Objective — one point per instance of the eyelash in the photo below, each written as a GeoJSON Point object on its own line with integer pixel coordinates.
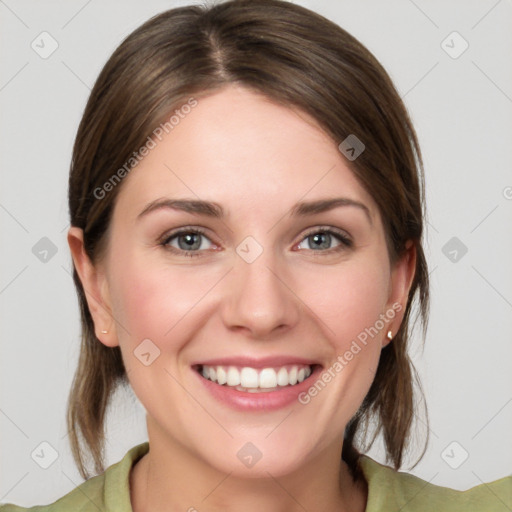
{"type": "Point", "coordinates": [345, 241]}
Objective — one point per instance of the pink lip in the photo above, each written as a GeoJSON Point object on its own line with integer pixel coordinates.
{"type": "Point", "coordinates": [267, 401]}
{"type": "Point", "coordinates": [254, 362]}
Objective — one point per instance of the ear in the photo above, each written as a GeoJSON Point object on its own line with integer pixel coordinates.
{"type": "Point", "coordinates": [96, 290]}
{"type": "Point", "coordinates": [402, 276]}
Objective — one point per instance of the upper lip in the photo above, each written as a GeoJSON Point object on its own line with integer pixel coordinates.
{"type": "Point", "coordinates": [257, 362]}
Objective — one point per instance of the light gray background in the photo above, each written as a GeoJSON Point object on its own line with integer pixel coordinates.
{"type": "Point", "coordinates": [461, 108]}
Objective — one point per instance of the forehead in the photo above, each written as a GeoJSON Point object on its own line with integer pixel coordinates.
{"type": "Point", "coordinates": [240, 149]}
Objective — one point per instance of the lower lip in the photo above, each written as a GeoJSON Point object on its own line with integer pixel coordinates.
{"type": "Point", "coordinates": [264, 401]}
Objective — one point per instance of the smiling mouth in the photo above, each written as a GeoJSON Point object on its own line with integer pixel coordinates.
{"type": "Point", "coordinates": [256, 380]}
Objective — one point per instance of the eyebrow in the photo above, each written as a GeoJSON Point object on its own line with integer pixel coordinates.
{"type": "Point", "coordinates": [215, 210]}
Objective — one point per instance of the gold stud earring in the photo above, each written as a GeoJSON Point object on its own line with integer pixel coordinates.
{"type": "Point", "coordinates": [389, 335]}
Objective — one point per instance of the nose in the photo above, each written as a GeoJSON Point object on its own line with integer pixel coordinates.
{"type": "Point", "coordinates": [259, 298]}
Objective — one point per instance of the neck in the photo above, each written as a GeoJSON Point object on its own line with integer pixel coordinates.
{"type": "Point", "coordinates": [169, 478]}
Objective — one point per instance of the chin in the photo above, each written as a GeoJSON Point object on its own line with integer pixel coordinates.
{"type": "Point", "coordinates": [260, 457]}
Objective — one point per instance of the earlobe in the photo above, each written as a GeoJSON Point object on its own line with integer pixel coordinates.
{"type": "Point", "coordinates": [95, 287]}
{"type": "Point", "coordinates": [387, 340]}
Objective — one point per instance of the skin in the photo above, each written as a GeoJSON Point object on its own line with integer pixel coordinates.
{"type": "Point", "coordinates": [257, 159]}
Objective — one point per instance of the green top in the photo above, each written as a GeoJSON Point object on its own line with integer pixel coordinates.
{"type": "Point", "coordinates": [388, 491]}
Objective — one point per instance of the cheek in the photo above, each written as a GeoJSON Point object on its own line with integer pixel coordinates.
{"type": "Point", "coordinates": [156, 300]}
{"type": "Point", "coordinates": [350, 301]}
{"type": "Point", "coordinates": [348, 298]}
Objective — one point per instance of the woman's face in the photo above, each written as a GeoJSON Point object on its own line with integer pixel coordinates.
{"type": "Point", "coordinates": [270, 290]}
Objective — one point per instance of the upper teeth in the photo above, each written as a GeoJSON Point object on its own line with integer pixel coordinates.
{"type": "Point", "coordinates": [257, 378]}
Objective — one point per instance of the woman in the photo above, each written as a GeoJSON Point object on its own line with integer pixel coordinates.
{"type": "Point", "coordinates": [246, 210]}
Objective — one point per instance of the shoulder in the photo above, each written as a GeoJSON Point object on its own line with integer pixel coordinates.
{"type": "Point", "coordinates": [107, 492]}
{"type": "Point", "coordinates": [393, 490]}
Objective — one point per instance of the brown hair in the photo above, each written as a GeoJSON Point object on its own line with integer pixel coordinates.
{"type": "Point", "coordinates": [299, 59]}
